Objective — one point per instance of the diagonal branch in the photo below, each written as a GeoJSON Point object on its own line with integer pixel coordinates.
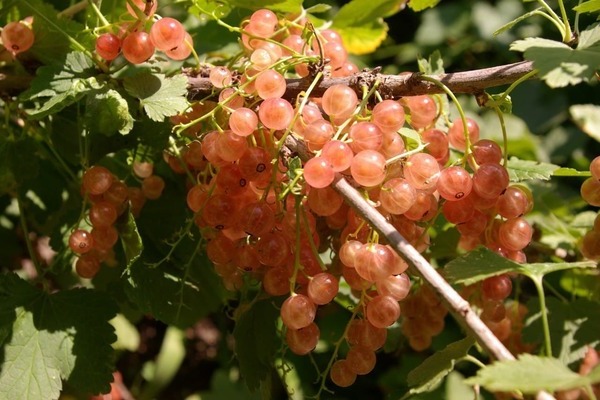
{"type": "Point", "coordinates": [458, 306]}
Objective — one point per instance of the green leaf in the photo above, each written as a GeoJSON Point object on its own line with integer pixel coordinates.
{"type": "Point", "coordinates": [283, 6]}
{"type": "Point", "coordinates": [477, 265]}
{"type": "Point", "coordinates": [360, 23]}
{"type": "Point", "coordinates": [318, 8]}
{"type": "Point", "coordinates": [224, 386]}
{"type": "Point", "coordinates": [588, 6]}
{"type": "Point", "coordinates": [529, 374]}
{"type": "Point", "coordinates": [174, 295]}
{"type": "Point", "coordinates": [434, 65]}
{"type": "Point", "coordinates": [256, 342]}
{"type": "Point", "coordinates": [570, 172]}
{"type": "Point", "coordinates": [483, 263]}
{"type": "Point", "coordinates": [214, 9]}
{"type": "Point", "coordinates": [574, 326]}
{"type": "Point", "coordinates": [559, 64]}
{"type": "Point", "coordinates": [363, 39]}
{"type": "Point", "coordinates": [515, 21]}
{"type": "Point", "coordinates": [584, 283]}
{"type": "Point", "coordinates": [53, 35]}
{"type": "Point", "coordinates": [47, 338]}
{"type": "Point", "coordinates": [130, 239]}
{"type": "Point", "coordinates": [159, 95]}
{"type": "Point", "coordinates": [587, 118]}
{"type": "Point", "coordinates": [64, 84]}
{"type": "Point", "coordinates": [107, 112]}
{"type": "Point", "coordinates": [420, 5]}
{"type": "Point", "coordinates": [522, 170]}
{"type": "Point", "coordinates": [128, 337]}
{"type": "Point", "coordinates": [429, 374]}
{"type": "Point", "coordinates": [504, 103]}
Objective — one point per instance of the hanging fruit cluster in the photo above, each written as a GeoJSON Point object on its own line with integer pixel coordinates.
{"type": "Point", "coordinates": [269, 215]}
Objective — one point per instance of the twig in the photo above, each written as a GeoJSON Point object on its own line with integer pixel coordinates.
{"type": "Point", "coordinates": [458, 306]}
{"type": "Point", "coordinates": [396, 86]}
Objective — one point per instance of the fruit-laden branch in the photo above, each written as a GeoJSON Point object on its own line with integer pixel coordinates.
{"type": "Point", "coordinates": [458, 306]}
{"type": "Point", "coordinates": [395, 86]}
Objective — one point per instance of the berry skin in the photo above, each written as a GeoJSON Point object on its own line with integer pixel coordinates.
{"type": "Point", "coordinates": [108, 46]}
{"type": "Point", "coordinates": [137, 47]}
{"type": "Point", "coordinates": [17, 37]}
{"type": "Point", "coordinates": [167, 34]}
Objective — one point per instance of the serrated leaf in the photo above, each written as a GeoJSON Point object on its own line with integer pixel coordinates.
{"type": "Point", "coordinates": [107, 112]}
{"type": "Point", "coordinates": [588, 6]}
{"type": "Point", "coordinates": [587, 118]}
{"type": "Point", "coordinates": [435, 368]}
{"type": "Point", "coordinates": [570, 172]}
{"type": "Point", "coordinates": [529, 374]}
{"type": "Point", "coordinates": [130, 239]}
{"type": "Point", "coordinates": [160, 96]}
{"type": "Point", "coordinates": [256, 342]}
{"type": "Point", "coordinates": [522, 170]}
{"type": "Point", "coordinates": [483, 263]}
{"type": "Point", "coordinates": [360, 23]}
{"type": "Point", "coordinates": [53, 337]}
{"type": "Point", "coordinates": [65, 84]}
{"type": "Point", "coordinates": [420, 5]}
{"type": "Point", "coordinates": [559, 64]}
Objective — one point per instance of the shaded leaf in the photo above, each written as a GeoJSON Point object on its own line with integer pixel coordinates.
{"type": "Point", "coordinates": [159, 95]}
{"type": "Point", "coordinates": [529, 375]}
{"type": "Point", "coordinates": [574, 327]}
{"type": "Point", "coordinates": [256, 342]}
{"type": "Point", "coordinates": [174, 295]}
{"type": "Point", "coordinates": [435, 368]}
{"type": "Point", "coordinates": [107, 112]}
{"type": "Point", "coordinates": [50, 337]}
{"type": "Point", "coordinates": [130, 239]}
{"type": "Point", "coordinates": [587, 118]}
{"type": "Point", "coordinates": [522, 170]}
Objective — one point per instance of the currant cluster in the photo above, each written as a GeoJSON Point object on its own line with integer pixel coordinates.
{"type": "Point", "coordinates": [109, 198]}
{"type": "Point", "coordinates": [267, 216]}
{"type": "Point", "coordinates": [18, 36]}
{"type": "Point", "coordinates": [422, 317]}
{"type": "Point", "coordinates": [137, 40]}
{"type": "Point", "coordinates": [590, 192]}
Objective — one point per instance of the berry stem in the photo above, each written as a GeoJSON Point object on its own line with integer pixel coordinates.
{"type": "Point", "coordinates": [503, 127]}
{"type": "Point", "coordinates": [461, 112]}
{"type": "Point", "coordinates": [537, 281]}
